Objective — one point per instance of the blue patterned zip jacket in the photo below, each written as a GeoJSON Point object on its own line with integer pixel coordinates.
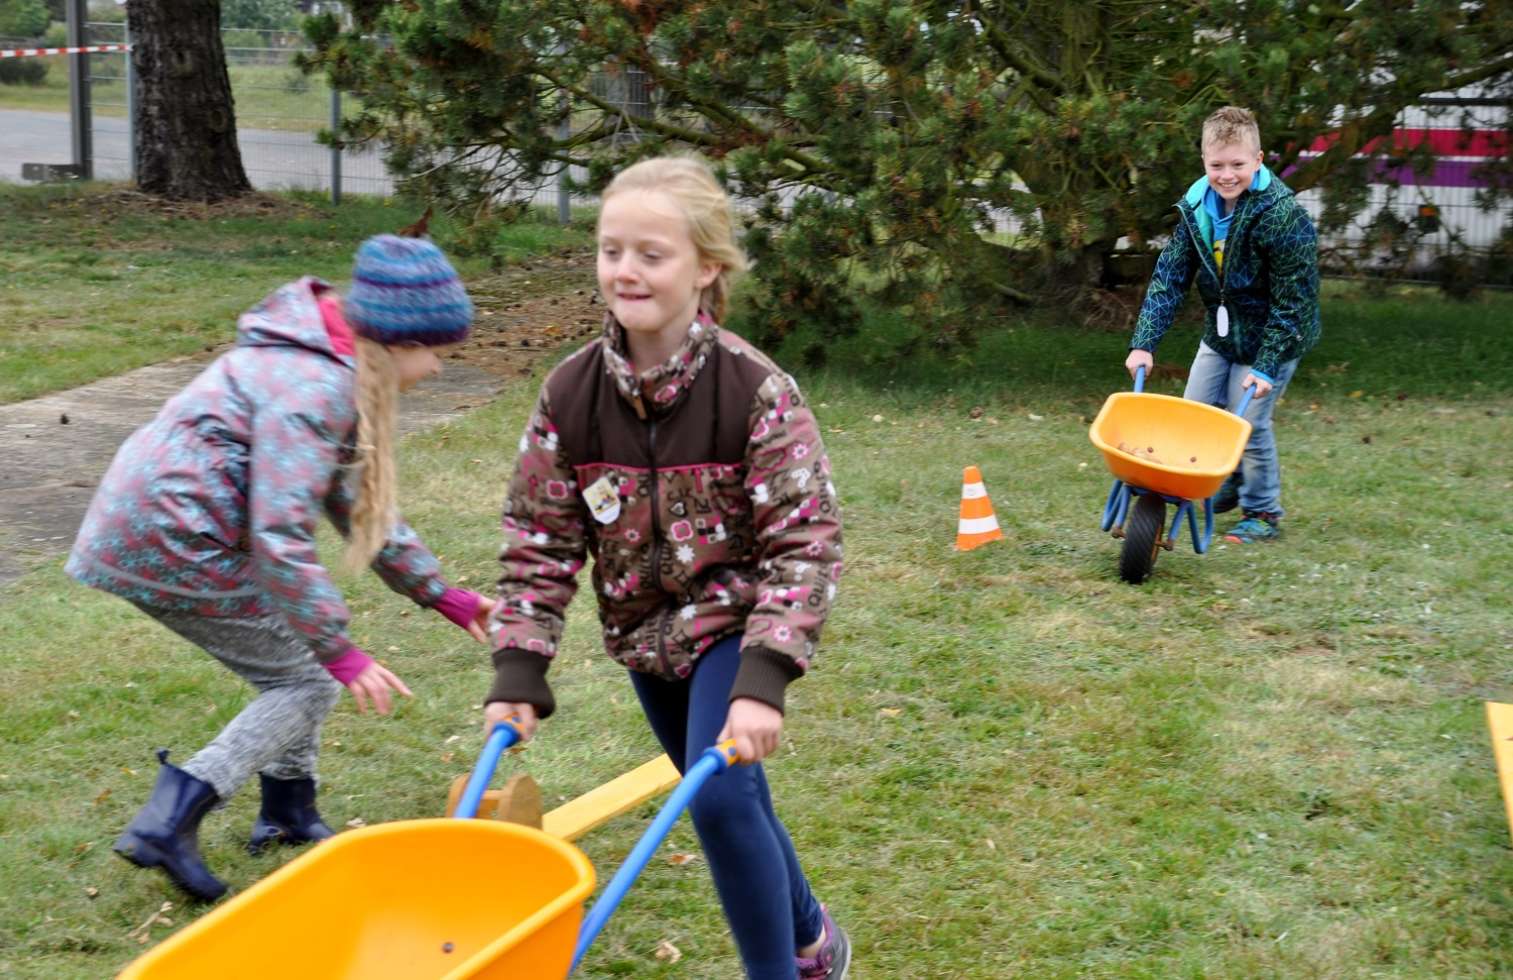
{"type": "Point", "coordinates": [212, 506]}
{"type": "Point", "coordinates": [1270, 282]}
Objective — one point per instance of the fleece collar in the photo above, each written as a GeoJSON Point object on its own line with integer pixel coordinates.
{"type": "Point", "coordinates": [1197, 197]}
{"type": "Point", "coordinates": [655, 391]}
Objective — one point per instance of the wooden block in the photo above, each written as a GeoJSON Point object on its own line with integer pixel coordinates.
{"type": "Point", "coordinates": [1500, 721]}
{"type": "Point", "coordinates": [603, 803]}
{"type": "Point", "coordinates": [517, 801]}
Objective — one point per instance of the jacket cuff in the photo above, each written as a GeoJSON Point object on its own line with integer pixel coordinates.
{"type": "Point", "coordinates": [346, 667]}
{"type": "Point", "coordinates": [460, 606]}
{"type": "Point", "coordinates": [520, 676]}
{"type": "Point", "coordinates": [764, 675]}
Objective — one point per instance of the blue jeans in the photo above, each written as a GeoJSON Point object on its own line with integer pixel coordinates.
{"type": "Point", "coordinates": [1214, 380]}
{"type": "Point", "coordinates": [756, 872]}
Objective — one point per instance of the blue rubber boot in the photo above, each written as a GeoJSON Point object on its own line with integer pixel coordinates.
{"type": "Point", "coordinates": [165, 833]}
{"type": "Point", "coordinates": [288, 815]}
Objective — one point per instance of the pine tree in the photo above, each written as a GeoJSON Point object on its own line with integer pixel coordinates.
{"type": "Point", "coordinates": [880, 139]}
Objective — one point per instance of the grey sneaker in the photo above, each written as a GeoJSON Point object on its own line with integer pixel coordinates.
{"type": "Point", "coordinates": [834, 958]}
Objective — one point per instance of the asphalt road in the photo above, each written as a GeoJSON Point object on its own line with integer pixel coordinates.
{"type": "Point", "coordinates": [274, 160]}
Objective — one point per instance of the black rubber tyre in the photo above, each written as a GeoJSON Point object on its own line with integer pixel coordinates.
{"type": "Point", "coordinates": [1142, 538]}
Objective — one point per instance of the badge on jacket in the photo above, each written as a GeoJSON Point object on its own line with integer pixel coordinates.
{"type": "Point", "coordinates": [603, 500]}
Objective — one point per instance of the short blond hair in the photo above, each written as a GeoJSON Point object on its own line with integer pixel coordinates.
{"type": "Point", "coordinates": [1230, 125]}
{"type": "Point", "coordinates": [691, 185]}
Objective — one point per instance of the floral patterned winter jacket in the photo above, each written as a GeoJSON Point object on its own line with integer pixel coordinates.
{"type": "Point", "coordinates": [712, 514]}
{"type": "Point", "coordinates": [211, 507]}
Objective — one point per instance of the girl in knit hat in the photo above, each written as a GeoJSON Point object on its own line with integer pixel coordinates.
{"type": "Point", "coordinates": [206, 522]}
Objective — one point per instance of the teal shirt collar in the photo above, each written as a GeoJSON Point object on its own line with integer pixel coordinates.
{"type": "Point", "coordinates": [1199, 195]}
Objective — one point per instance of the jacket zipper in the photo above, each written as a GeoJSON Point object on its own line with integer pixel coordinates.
{"type": "Point", "coordinates": [1222, 275]}
{"type": "Point", "coordinates": [656, 544]}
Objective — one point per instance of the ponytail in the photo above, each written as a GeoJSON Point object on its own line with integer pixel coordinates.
{"type": "Point", "coordinates": [375, 512]}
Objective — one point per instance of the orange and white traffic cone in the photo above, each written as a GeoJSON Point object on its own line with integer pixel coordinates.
{"type": "Point", "coordinates": [977, 525]}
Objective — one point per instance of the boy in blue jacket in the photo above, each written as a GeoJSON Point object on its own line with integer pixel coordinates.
{"type": "Point", "coordinates": [1252, 249]}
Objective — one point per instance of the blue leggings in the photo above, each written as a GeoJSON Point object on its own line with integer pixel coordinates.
{"type": "Point", "coordinates": [766, 898]}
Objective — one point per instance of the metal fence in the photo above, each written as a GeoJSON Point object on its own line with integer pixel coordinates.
{"type": "Point", "coordinates": [1410, 219]}
{"type": "Point", "coordinates": [279, 111]}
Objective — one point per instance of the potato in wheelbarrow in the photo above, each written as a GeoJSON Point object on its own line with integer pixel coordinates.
{"type": "Point", "coordinates": [415, 899]}
{"type": "Point", "coordinates": [1173, 446]}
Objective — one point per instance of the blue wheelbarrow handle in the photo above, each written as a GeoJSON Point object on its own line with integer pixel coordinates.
{"type": "Point", "coordinates": [1250, 392]}
{"type": "Point", "coordinates": [715, 759]}
{"type": "Point", "coordinates": [505, 734]}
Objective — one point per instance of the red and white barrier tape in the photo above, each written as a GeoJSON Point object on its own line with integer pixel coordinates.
{"type": "Point", "coordinates": [38, 52]}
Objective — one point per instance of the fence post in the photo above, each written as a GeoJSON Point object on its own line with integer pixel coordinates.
{"type": "Point", "coordinates": [78, 92]}
{"type": "Point", "coordinates": [131, 106]}
{"type": "Point", "coordinates": [564, 199]}
{"type": "Point", "coordinates": [336, 145]}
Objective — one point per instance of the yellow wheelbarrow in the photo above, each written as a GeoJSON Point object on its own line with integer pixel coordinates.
{"type": "Point", "coordinates": [442, 899]}
{"type": "Point", "coordinates": [1164, 450]}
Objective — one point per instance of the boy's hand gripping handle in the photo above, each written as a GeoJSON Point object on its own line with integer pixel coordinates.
{"type": "Point", "coordinates": [505, 734]}
{"type": "Point", "coordinates": [716, 759]}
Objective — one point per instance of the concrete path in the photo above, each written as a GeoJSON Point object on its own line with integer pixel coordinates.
{"type": "Point", "coordinates": [51, 466]}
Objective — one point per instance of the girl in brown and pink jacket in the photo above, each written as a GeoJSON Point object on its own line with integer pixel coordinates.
{"type": "Point", "coordinates": [689, 465]}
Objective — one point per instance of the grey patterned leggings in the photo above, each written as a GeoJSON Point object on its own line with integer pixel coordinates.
{"type": "Point", "coordinates": [278, 734]}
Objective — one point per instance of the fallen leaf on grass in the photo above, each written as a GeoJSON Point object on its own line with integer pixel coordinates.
{"type": "Point", "coordinates": [104, 795]}
{"type": "Point", "coordinates": [1357, 393]}
{"type": "Point", "coordinates": [678, 860]}
{"type": "Point", "coordinates": [357, 822]}
{"type": "Point", "coordinates": [448, 756]}
{"type": "Point", "coordinates": [142, 933]}
{"type": "Point", "coordinates": [667, 951]}
{"type": "Point", "coordinates": [92, 892]}
{"type": "Point", "coordinates": [890, 712]}
{"type": "Point", "coordinates": [1036, 418]}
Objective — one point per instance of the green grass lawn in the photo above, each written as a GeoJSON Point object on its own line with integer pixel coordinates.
{"type": "Point", "coordinates": [93, 283]}
{"type": "Point", "coordinates": [1267, 762]}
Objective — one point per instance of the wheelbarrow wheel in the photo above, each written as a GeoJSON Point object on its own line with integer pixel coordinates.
{"type": "Point", "coordinates": [1142, 538]}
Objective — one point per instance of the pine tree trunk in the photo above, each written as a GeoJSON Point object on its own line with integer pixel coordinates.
{"type": "Point", "coordinates": [186, 122]}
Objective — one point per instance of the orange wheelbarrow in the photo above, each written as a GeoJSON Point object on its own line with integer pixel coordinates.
{"type": "Point", "coordinates": [443, 899]}
{"type": "Point", "coordinates": [1164, 450]}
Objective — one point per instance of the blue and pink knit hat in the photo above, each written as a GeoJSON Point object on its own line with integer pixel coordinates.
{"type": "Point", "coordinates": [404, 291]}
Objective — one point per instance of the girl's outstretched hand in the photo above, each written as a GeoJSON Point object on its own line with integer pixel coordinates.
{"type": "Point", "coordinates": [496, 711]}
{"type": "Point", "coordinates": [756, 727]}
{"type": "Point", "coordinates": [478, 627]}
{"type": "Point", "coordinates": [376, 681]}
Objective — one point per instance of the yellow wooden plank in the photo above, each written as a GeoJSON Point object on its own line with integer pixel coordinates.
{"type": "Point", "coordinates": [1500, 721]}
{"type": "Point", "coordinates": [603, 803]}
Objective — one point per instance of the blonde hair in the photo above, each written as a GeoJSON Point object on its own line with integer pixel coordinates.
{"type": "Point", "coordinates": [691, 185]}
{"type": "Point", "coordinates": [375, 512]}
{"type": "Point", "coordinates": [1229, 125]}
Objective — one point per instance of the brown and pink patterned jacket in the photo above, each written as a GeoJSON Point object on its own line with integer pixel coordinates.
{"type": "Point", "coordinates": [722, 518]}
